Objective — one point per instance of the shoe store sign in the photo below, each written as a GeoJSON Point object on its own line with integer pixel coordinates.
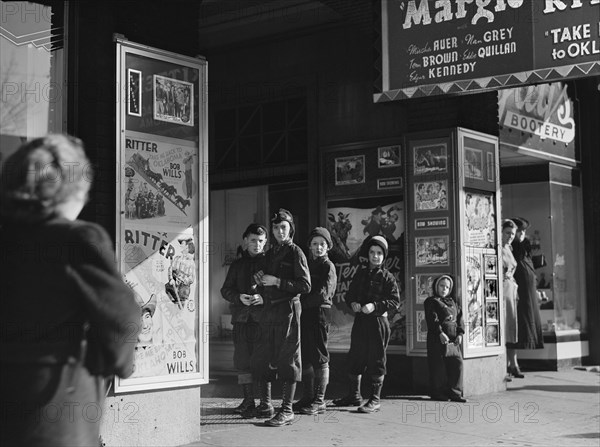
{"type": "Point", "coordinates": [459, 46]}
{"type": "Point", "coordinates": [538, 118]}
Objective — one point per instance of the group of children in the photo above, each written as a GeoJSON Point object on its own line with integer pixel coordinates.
{"type": "Point", "coordinates": [281, 303]}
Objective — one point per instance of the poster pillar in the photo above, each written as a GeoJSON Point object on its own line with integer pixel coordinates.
{"type": "Point", "coordinates": [162, 242]}
{"type": "Point", "coordinates": [452, 227]}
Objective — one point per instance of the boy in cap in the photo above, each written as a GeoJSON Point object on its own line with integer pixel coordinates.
{"type": "Point", "coordinates": [246, 305]}
{"type": "Point", "coordinates": [277, 354]}
{"type": "Point", "coordinates": [444, 327]}
{"type": "Point", "coordinates": [372, 293]}
{"type": "Point", "coordinates": [314, 323]}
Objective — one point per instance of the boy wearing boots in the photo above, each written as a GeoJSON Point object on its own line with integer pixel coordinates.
{"type": "Point", "coordinates": [277, 354]}
{"type": "Point", "coordinates": [372, 293]}
{"type": "Point", "coordinates": [246, 305]}
{"type": "Point", "coordinates": [314, 323]}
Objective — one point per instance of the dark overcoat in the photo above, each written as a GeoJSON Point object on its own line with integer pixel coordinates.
{"type": "Point", "coordinates": [59, 276]}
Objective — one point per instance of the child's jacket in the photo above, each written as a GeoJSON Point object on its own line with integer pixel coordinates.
{"type": "Point", "coordinates": [377, 286]}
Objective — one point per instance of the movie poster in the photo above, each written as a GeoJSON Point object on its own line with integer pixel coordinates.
{"type": "Point", "coordinates": [480, 220]}
{"type": "Point", "coordinates": [430, 159]}
{"type": "Point", "coordinates": [432, 251]}
{"type": "Point", "coordinates": [425, 286]}
{"type": "Point", "coordinates": [350, 223]}
{"type": "Point", "coordinates": [431, 196]}
{"type": "Point", "coordinates": [160, 182]}
{"type": "Point", "coordinates": [475, 306]}
{"type": "Point", "coordinates": [173, 100]}
{"type": "Point", "coordinates": [160, 267]}
{"type": "Point", "coordinates": [421, 326]}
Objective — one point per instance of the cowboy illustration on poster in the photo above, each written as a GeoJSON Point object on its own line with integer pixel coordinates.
{"type": "Point", "coordinates": [167, 342]}
{"type": "Point", "coordinates": [173, 100]}
{"type": "Point", "coordinates": [160, 182]}
{"type": "Point", "coordinates": [350, 226]}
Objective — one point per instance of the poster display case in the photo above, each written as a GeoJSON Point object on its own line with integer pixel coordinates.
{"type": "Point", "coordinates": [162, 214]}
{"type": "Point", "coordinates": [452, 202]}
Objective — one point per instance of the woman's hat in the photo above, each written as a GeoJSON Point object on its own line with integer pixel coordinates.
{"type": "Point", "coordinates": [509, 223]}
{"type": "Point", "coordinates": [522, 223]}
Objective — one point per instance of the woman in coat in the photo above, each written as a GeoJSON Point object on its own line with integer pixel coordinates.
{"type": "Point", "coordinates": [528, 311]}
{"type": "Point", "coordinates": [69, 319]}
{"type": "Point", "coordinates": [510, 289]}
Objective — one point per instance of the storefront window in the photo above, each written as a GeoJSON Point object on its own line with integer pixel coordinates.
{"type": "Point", "coordinates": [32, 72]}
{"type": "Point", "coordinates": [567, 262]}
{"type": "Point", "coordinates": [554, 212]}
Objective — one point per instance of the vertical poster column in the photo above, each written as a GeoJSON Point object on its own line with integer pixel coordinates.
{"type": "Point", "coordinates": [162, 218]}
{"type": "Point", "coordinates": [430, 226]}
{"type": "Point", "coordinates": [364, 197]}
{"type": "Point", "coordinates": [481, 267]}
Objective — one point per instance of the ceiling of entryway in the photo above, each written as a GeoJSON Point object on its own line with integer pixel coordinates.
{"type": "Point", "coordinates": [226, 23]}
{"type": "Point", "coordinates": [232, 23]}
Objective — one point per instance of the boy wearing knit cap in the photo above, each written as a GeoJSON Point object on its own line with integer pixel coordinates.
{"type": "Point", "coordinates": [314, 323]}
{"type": "Point", "coordinates": [444, 340]}
{"type": "Point", "coordinates": [372, 293]}
{"type": "Point", "coordinates": [277, 354]}
{"type": "Point", "coordinates": [246, 305]}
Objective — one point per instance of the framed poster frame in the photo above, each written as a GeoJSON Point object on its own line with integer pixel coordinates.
{"type": "Point", "coordinates": [134, 92]}
{"type": "Point", "coordinates": [350, 170]}
{"type": "Point", "coordinates": [389, 156]}
{"type": "Point", "coordinates": [430, 224]}
{"type": "Point", "coordinates": [162, 219]}
{"type": "Point", "coordinates": [472, 257]}
{"type": "Point", "coordinates": [480, 244]}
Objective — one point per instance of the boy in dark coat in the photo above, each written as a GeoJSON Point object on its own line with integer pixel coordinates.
{"type": "Point", "coordinates": [246, 305]}
{"type": "Point", "coordinates": [277, 354]}
{"type": "Point", "coordinates": [372, 293]}
{"type": "Point", "coordinates": [314, 323]}
{"type": "Point", "coordinates": [444, 327]}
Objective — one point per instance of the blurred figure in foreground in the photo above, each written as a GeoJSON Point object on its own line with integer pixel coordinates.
{"type": "Point", "coordinates": [70, 320]}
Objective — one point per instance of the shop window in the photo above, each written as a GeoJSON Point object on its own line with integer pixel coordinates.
{"type": "Point", "coordinates": [554, 212]}
{"type": "Point", "coordinates": [568, 285]}
{"type": "Point", "coordinates": [32, 72]}
{"type": "Point", "coordinates": [270, 133]}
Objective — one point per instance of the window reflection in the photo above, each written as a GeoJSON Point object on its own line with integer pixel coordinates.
{"type": "Point", "coordinates": [31, 72]}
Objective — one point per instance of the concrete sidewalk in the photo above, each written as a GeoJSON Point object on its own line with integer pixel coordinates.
{"type": "Point", "coordinates": [544, 408]}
